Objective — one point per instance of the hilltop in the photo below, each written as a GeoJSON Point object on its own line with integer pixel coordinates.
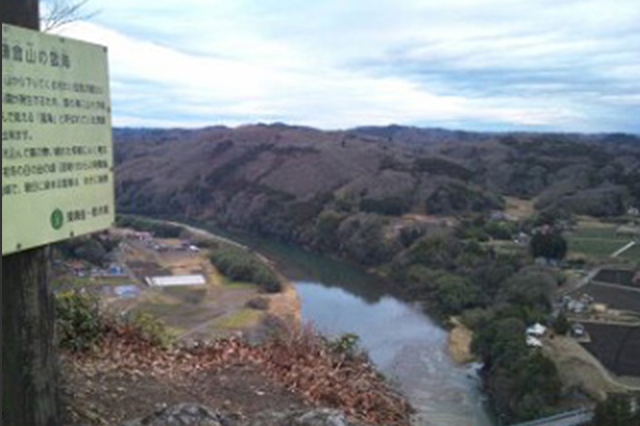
{"type": "Point", "coordinates": [277, 179]}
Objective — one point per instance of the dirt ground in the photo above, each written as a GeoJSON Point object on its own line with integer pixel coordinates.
{"type": "Point", "coordinates": [459, 344]}
{"type": "Point", "coordinates": [216, 310]}
{"type": "Point", "coordinates": [519, 208]}
{"type": "Point", "coordinates": [579, 369]}
{"type": "Point", "coordinates": [98, 398]}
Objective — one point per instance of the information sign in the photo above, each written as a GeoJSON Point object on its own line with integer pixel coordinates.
{"type": "Point", "coordinates": [57, 150]}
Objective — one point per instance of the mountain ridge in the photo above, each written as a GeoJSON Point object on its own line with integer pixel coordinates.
{"type": "Point", "coordinates": [279, 180]}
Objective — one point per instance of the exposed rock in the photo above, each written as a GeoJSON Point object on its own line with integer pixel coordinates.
{"type": "Point", "coordinates": [183, 415]}
{"type": "Point", "coordinates": [311, 418]}
{"type": "Point", "coordinates": [198, 415]}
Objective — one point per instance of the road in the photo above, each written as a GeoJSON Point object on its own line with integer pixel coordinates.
{"type": "Point", "coordinates": [573, 418]}
{"type": "Point", "coordinates": [624, 249]}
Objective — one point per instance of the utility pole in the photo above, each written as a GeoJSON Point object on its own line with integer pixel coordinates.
{"type": "Point", "coordinates": [29, 364]}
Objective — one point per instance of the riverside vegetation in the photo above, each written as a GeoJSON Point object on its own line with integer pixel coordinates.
{"type": "Point", "coordinates": [414, 204]}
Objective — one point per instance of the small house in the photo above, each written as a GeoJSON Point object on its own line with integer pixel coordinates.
{"type": "Point", "coordinates": [534, 342]}
{"type": "Point", "coordinates": [537, 330]}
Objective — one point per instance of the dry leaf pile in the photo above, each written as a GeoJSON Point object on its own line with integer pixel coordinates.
{"type": "Point", "coordinates": [301, 362]}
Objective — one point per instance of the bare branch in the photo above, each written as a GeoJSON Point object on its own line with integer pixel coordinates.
{"type": "Point", "coordinates": [58, 13]}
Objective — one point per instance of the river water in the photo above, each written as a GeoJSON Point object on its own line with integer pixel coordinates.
{"type": "Point", "coordinates": [405, 344]}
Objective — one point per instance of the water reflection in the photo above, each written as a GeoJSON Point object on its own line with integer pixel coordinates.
{"type": "Point", "coordinates": [407, 346]}
{"type": "Point", "coordinates": [401, 339]}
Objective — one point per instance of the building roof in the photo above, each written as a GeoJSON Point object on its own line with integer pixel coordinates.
{"type": "Point", "coordinates": [533, 342]}
{"type": "Point", "coordinates": [177, 281]}
{"type": "Point", "coordinates": [537, 330]}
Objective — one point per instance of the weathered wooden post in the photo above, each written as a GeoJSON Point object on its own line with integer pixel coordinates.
{"type": "Point", "coordinates": [57, 183]}
{"type": "Point", "coordinates": [29, 386]}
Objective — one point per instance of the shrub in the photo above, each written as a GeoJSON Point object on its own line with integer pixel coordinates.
{"type": "Point", "coordinates": [550, 245]}
{"type": "Point", "coordinates": [388, 206]}
{"type": "Point", "coordinates": [455, 293]}
{"type": "Point", "coordinates": [347, 344]}
{"type": "Point", "coordinates": [148, 328]}
{"type": "Point", "coordinates": [561, 325]}
{"type": "Point", "coordinates": [81, 323]}
{"type": "Point", "coordinates": [618, 409]}
{"type": "Point", "coordinates": [159, 229]}
{"type": "Point", "coordinates": [500, 230]}
{"type": "Point", "coordinates": [259, 304]}
{"type": "Point", "coordinates": [238, 264]}
{"type": "Point", "coordinates": [326, 229]}
{"type": "Point", "coordinates": [79, 320]}
{"type": "Point", "coordinates": [93, 249]}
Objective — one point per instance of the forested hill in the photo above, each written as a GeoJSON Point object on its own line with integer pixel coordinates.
{"type": "Point", "coordinates": [278, 179]}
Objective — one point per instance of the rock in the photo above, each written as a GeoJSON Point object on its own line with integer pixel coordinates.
{"type": "Point", "coordinates": [198, 415]}
{"type": "Point", "coordinates": [183, 415]}
{"type": "Point", "coordinates": [310, 418]}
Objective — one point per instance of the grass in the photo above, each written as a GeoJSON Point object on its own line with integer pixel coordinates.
{"type": "Point", "coordinates": [597, 241]}
{"type": "Point", "coordinates": [239, 285]}
{"type": "Point", "coordinates": [601, 233]}
{"type": "Point", "coordinates": [632, 254]}
{"type": "Point", "coordinates": [72, 281]}
{"type": "Point", "coordinates": [238, 319]}
{"type": "Point", "coordinates": [599, 248]}
{"type": "Point", "coordinates": [506, 247]}
{"type": "Point", "coordinates": [188, 295]}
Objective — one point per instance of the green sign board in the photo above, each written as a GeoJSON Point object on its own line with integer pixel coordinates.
{"type": "Point", "coordinates": [57, 150]}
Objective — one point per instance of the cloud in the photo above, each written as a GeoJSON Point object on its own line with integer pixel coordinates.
{"type": "Point", "coordinates": [570, 65]}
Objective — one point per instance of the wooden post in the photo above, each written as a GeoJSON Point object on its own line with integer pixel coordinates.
{"type": "Point", "coordinates": [29, 364]}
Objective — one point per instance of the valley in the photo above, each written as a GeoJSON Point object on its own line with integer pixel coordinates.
{"type": "Point", "coordinates": [490, 229]}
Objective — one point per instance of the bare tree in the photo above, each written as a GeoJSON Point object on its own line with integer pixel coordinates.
{"type": "Point", "coordinates": [57, 13]}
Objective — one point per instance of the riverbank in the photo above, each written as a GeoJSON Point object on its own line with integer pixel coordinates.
{"type": "Point", "coordinates": [285, 304]}
{"type": "Point", "coordinates": [459, 339]}
{"type": "Point", "coordinates": [274, 364]}
{"type": "Point", "coordinates": [403, 341]}
{"type": "Point", "coordinates": [459, 342]}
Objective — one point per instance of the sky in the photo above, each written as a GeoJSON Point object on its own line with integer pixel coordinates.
{"type": "Point", "coordinates": [495, 65]}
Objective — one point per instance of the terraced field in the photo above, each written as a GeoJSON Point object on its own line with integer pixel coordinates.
{"type": "Point", "coordinates": [598, 241]}
{"type": "Point", "coordinates": [617, 347]}
{"type": "Point", "coordinates": [616, 276]}
{"type": "Point", "coordinates": [615, 298]}
{"type": "Point", "coordinates": [633, 254]}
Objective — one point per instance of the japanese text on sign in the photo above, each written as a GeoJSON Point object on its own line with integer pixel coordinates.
{"type": "Point", "coordinates": [57, 151]}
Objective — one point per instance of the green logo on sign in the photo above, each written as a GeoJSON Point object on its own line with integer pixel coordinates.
{"type": "Point", "coordinates": [57, 219]}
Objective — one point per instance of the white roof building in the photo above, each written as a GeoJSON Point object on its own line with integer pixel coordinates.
{"type": "Point", "coordinates": [533, 342]}
{"type": "Point", "coordinates": [177, 281]}
{"type": "Point", "coordinates": [537, 330]}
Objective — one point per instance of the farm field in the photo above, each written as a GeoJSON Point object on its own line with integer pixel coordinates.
{"type": "Point", "coordinates": [633, 254]}
{"type": "Point", "coordinates": [617, 347]}
{"type": "Point", "coordinates": [598, 241]}
{"type": "Point", "coordinates": [615, 297]}
{"type": "Point", "coordinates": [619, 277]}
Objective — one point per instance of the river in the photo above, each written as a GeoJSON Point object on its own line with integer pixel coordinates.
{"type": "Point", "coordinates": [405, 344]}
